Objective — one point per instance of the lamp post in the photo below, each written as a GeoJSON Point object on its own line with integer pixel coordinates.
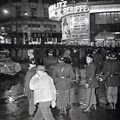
{"type": "Point", "coordinates": [5, 13]}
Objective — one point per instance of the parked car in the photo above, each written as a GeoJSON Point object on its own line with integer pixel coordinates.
{"type": "Point", "coordinates": [7, 65]}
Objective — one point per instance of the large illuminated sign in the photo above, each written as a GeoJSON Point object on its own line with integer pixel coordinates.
{"type": "Point", "coordinates": [62, 9]}
{"type": "Point", "coordinates": [55, 10]}
{"type": "Point", "coordinates": [75, 26]}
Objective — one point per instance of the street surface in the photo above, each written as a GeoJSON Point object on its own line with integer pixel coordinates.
{"type": "Point", "coordinates": [14, 105]}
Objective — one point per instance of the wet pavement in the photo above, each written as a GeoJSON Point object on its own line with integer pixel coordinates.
{"type": "Point", "coordinates": [14, 105]}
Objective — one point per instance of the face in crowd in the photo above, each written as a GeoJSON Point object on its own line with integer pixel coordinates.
{"type": "Point", "coordinates": [89, 59]}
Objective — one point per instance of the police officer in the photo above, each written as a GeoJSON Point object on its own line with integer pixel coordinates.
{"type": "Point", "coordinates": [63, 75]}
{"type": "Point", "coordinates": [98, 60]}
{"type": "Point", "coordinates": [111, 73]}
{"type": "Point", "coordinates": [91, 83]}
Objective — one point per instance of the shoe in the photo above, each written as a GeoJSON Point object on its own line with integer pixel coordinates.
{"type": "Point", "coordinates": [93, 107]}
{"type": "Point", "coordinates": [114, 105]}
{"type": "Point", "coordinates": [86, 109]}
{"type": "Point", "coordinates": [111, 106]}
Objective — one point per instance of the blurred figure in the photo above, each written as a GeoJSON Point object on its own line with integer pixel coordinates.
{"type": "Point", "coordinates": [67, 53]}
{"type": "Point", "coordinates": [75, 57]}
{"type": "Point", "coordinates": [49, 61]}
{"type": "Point", "coordinates": [63, 75]}
{"type": "Point", "coordinates": [31, 53]}
{"type": "Point", "coordinates": [98, 60]}
{"type": "Point", "coordinates": [111, 73]}
{"type": "Point", "coordinates": [44, 93]}
{"type": "Point", "coordinates": [31, 72]}
{"type": "Point", "coordinates": [91, 83]}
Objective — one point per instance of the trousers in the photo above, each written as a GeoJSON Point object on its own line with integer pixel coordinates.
{"type": "Point", "coordinates": [44, 111]}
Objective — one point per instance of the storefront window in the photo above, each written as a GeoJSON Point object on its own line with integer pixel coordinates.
{"type": "Point", "coordinates": [107, 18]}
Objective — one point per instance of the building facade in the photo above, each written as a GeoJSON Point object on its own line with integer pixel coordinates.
{"type": "Point", "coordinates": [27, 22]}
{"type": "Point", "coordinates": [88, 21]}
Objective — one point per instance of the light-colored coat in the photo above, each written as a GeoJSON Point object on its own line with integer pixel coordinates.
{"type": "Point", "coordinates": [43, 86]}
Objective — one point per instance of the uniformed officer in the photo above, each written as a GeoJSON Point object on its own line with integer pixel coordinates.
{"type": "Point", "coordinates": [91, 83]}
{"type": "Point", "coordinates": [111, 73]}
{"type": "Point", "coordinates": [63, 75]}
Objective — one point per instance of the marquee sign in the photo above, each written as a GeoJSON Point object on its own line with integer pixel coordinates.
{"type": "Point", "coordinates": [62, 9]}
{"type": "Point", "coordinates": [75, 26]}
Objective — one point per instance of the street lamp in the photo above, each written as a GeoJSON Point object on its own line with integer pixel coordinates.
{"type": "Point", "coordinates": [5, 11]}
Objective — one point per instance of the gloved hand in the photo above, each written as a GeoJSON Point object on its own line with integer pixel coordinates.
{"type": "Point", "coordinates": [53, 104]}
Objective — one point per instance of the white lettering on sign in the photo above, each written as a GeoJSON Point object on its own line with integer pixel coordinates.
{"type": "Point", "coordinates": [61, 9]}
{"type": "Point", "coordinates": [59, 5]}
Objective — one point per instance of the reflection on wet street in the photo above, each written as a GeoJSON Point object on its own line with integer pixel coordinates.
{"type": "Point", "coordinates": [14, 105]}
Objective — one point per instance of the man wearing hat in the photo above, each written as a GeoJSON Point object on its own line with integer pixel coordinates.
{"type": "Point", "coordinates": [31, 71]}
{"type": "Point", "coordinates": [91, 83]}
{"type": "Point", "coordinates": [49, 60]}
{"type": "Point", "coordinates": [111, 73]}
{"type": "Point", "coordinates": [44, 92]}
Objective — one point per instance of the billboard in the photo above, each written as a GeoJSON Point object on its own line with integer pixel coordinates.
{"type": "Point", "coordinates": [75, 26]}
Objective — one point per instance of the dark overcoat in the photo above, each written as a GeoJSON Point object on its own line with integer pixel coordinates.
{"type": "Point", "coordinates": [90, 75]}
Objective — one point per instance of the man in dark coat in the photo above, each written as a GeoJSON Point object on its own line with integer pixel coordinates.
{"type": "Point", "coordinates": [31, 71]}
{"type": "Point", "coordinates": [98, 60]}
{"type": "Point", "coordinates": [49, 61]}
{"type": "Point", "coordinates": [111, 73]}
{"type": "Point", "coordinates": [63, 75]}
{"type": "Point", "coordinates": [91, 83]}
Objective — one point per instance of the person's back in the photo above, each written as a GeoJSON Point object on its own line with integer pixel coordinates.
{"type": "Point", "coordinates": [27, 91]}
{"type": "Point", "coordinates": [65, 72]}
{"type": "Point", "coordinates": [28, 76]}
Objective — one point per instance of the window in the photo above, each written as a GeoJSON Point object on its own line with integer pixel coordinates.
{"type": "Point", "coordinates": [35, 1]}
{"type": "Point", "coordinates": [33, 12]}
{"type": "Point", "coordinates": [16, 0]}
{"type": "Point", "coordinates": [54, 26]}
{"type": "Point", "coordinates": [46, 15]}
{"type": "Point", "coordinates": [18, 11]}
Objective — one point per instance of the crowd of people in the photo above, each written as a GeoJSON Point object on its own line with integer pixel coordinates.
{"type": "Point", "coordinates": [52, 74]}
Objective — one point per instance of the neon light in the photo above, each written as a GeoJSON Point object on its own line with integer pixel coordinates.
{"type": "Point", "coordinates": [61, 9]}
